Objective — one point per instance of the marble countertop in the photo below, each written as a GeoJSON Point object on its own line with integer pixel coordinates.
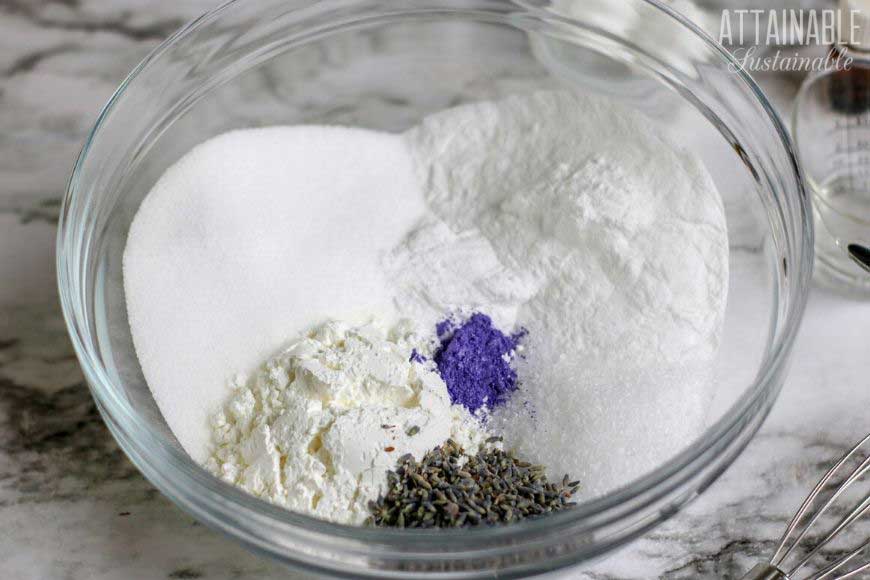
{"type": "Point", "coordinates": [71, 504]}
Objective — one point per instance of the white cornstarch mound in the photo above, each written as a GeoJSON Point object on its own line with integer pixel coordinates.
{"type": "Point", "coordinates": [317, 427]}
{"type": "Point", "coordinates": [565, 215]}
{"type": "Point", "coordinates": [604, 238]}
{"type": "Point", "coordinates": [249, 239]}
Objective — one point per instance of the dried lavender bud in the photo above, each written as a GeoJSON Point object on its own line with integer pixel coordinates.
{"type": "Point", "coordinates": [449, 488]}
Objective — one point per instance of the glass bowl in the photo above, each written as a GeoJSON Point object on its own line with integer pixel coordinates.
{"type": "Point", "coordinates": [384, 64]}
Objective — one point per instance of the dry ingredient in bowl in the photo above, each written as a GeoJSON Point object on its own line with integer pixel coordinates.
{"type": "Point", "coordinates": [562, 214]}
{"type": "Point", "coordinates": [449, 488]}
{"type": "Point", "coordinates": [317, 428]}
{"type": "Point", "coordinates": [475, 360]}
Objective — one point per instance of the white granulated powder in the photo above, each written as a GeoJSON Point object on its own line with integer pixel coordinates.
{"type": "Point", "coordinates": [317, 427]}
{"type": "Point", "coordinates": [248, 240]}
{"type": "Point", "coordinates": [581, 222]}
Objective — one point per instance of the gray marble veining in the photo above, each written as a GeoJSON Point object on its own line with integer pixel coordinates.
{"type": "Point", "coordinates": [73, 507]}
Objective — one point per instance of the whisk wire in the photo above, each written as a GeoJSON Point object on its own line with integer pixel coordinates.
{"type": "Point", "coordinates": [825, 573]}
{"type": "Point", "coordinates": [853, 515]}
{"type": "Point", "coordinates": [785, 548]}
{"type": "Point", "coordinates": [855, 573]}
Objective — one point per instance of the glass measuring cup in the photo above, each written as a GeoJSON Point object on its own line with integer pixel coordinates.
{"type": "Point", "coordinates": [831, 125]}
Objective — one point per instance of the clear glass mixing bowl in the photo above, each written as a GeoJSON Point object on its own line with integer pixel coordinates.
{"type": "Point", "coordinates": [384, 64]}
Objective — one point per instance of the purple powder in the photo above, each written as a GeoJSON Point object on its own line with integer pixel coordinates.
{"type": "Point", "coordinates": [474, 360]}
{"type": "Point", "coordinates": [444, 327]}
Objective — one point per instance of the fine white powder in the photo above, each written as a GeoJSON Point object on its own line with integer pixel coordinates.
{"type": "Point", "coordinates": [582, 223]}
{"type": "Point", "coordinates": [317, 427]}
{"type": "Point", "coordinates": [249, 239]}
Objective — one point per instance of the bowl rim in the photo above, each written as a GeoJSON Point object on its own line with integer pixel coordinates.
{"type": "Point", "coordinates": [143, 444]}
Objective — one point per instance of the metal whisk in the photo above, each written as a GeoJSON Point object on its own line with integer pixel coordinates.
{"type": "Point", "coordinates": [805, 537]}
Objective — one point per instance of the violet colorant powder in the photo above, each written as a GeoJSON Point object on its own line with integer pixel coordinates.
{"type": "Point", "coordinates": [474, 360]}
